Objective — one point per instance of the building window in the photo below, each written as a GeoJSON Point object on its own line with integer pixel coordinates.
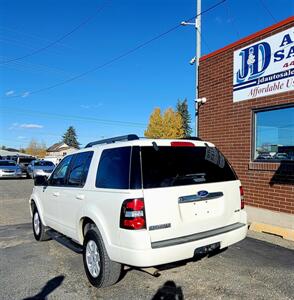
{"type": "Point", "coordinates": [274, 134]}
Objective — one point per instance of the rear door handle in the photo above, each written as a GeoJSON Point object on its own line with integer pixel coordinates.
{"type": "Point", "coordinates": [194, 198]}
{"type": "Point", "coordinates": [80, 197]}
{"type": "Point", "coordinates": [56, 194]}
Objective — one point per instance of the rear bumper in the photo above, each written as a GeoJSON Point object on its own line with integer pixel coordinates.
{"type": "Point", "coordinates": [10, 175]}
{"type": "Point", "coordinates": [41, 173]}
{"type": "Point", "coordinates": [184, 250]}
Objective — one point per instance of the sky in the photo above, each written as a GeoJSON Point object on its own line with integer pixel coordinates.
{"type": "Point", "coordinates": [118, 97]}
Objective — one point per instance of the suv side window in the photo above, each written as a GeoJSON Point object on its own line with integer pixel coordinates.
{"type": "Point", "coordinates": [59, 175]}
{"type": "Point", "coordinates": [79, 169]}
{"type": "Point", "coordinates": [114, 169]}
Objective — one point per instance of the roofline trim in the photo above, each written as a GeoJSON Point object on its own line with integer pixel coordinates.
{"type": "Point", "coordinates": [249, 37]}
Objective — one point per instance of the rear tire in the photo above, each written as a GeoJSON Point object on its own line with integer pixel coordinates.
{"type": "Point", "coordinates": [100, 270]}
{"type": "Point", "coordinates": [39, 229]}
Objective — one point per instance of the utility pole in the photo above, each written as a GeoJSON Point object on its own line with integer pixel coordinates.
{"type": "Point", "coordinates": [198, 54]}
{"type": "Point", "coordinates": [195, 60]}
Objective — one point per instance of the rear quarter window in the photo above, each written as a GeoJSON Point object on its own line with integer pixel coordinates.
{"type": "Point", "coordinates": [114, 169]}
{"type": "Point", "coordinates": [175, 166]}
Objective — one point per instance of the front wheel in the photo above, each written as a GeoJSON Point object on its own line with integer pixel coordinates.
{"type": "Point", "coordinates": [100, 270]}
{"type": "Point", "coordinates": [38, 227]}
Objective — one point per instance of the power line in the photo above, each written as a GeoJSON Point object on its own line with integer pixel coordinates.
{"type": "Point", "coordinates": [72, 117]}
{"type": "Point", "coordinates": [31, 36]}
{"type": "Point", "coordinates": [41, 133]}
{"type": "Point", "coordinates": [37, 68]}
{"type": "Point", "coordinates": [119, 57]}
{"type": "Point", "coordinates": [267, 9]}
{"type": "Point", "coordinates": [83, 23]}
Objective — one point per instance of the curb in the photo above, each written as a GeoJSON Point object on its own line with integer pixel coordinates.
{"type": "Point", "coordinates": [286, 233]}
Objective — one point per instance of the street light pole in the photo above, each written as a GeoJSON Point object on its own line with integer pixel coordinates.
{"type": "Point", "coordinates": [195, 60]}
{"type": "Point", "coordinates": [198, 54]}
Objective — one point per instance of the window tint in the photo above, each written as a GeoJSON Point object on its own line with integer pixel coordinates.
{"type": "Point", "coordinates": [274, 134]}
{"type": "Point", "coordinates": [113, 170]}
{"type": "Point", "coordinates": [135, 176]}
{"type": "Point", "coordinates": [23, 160]}
{"type": "Point", "coordinates": [7, 163]}
{"type": "Point", "coordinates": [59, 175]}
{"type": "Point", "coordinates": [43, 163]}
{"type": "Point", "coordinates": [79, 169]}
{"type": "Point", "coordinates": [174, 166]}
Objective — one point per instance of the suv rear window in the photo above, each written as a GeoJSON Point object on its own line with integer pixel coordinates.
{"type": "Point", "coordinates": [175, 166]}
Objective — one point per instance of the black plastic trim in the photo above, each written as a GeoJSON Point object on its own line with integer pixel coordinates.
{"type": "Point", "coordinates": [65, 241]}
{"type": "Point", "coordinates": [196, 236]}
{"type": "Point", "coordinates": [129, 137]}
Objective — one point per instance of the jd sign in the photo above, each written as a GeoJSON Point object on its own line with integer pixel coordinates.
{"type": "Point", "coordinates": [264, 68]}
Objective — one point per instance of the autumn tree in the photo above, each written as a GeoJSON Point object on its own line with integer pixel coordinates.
{"type": "Point", "coordinates": [166, 126]}
{"type": "Point", "coordinates": [154, 129]}
{"type": "Point", "coordinates": [70, 138]}
{"type": "Point", "coordinates": [36, 149]}
{"type": "Point", "coordinates": [182, 109]}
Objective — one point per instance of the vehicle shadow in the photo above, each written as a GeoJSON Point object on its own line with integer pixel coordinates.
{"type": "Point", "coordinates": [49, 287]}
{"type": "Point", "coordinates": [155, 272]}
{"type": "Point", "coordinates": [169, 291]}
{"type": "Point", "coordinates": [284, 174]}
{"type": "Point", "coordinates": [196, 258]}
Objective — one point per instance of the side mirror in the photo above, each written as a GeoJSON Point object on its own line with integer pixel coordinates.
{"type": "Point", "coordinates": [40, 181]}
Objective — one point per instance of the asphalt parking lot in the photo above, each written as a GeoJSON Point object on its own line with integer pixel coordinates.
{"type": "Point", "coordinates": [260, 267]}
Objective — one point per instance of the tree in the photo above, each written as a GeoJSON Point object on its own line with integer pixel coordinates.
{"type": "Point", "coordinates": [182, 109]}
{"type": "Point", "coordinates": [70, 138]}
{"type": "Point", "coordinates": [154, 129]}
{"type": "Point", "coordinates": [36, 149]}
{"type": "Point", "coordinates": [172, 124]}
{"type": "Point", "coordinates": [168, 126]}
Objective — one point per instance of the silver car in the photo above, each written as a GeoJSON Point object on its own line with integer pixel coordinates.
{"type": "Point", "coordinates": [40, 168]}
{"type": "Point", "coordinates": [10, 169]}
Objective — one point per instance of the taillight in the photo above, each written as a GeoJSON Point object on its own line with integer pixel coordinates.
{"type": "Point", "coordinates": [132, 214]}
{"type": "Point", "coordinates": [242, 197]}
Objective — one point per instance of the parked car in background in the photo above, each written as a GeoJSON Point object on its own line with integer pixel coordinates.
{"type": "Point", "coordinates": [23, 162]}
{"type": "Point", "coordinates": [55, 159]}
{"type": "Point", "coordinates": [40, 168]}
{"type": "Point", "coordinates": [281, 156]}
{"type": "Point", "coordinates": [10, 169]}
{"type": "Point", "coordinates": [264, 156]}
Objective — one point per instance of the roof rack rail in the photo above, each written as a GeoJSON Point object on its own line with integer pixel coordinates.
{"type": "Point", "coordinates": [193, 138]}
{"type": "Point", "coordinates": [129, 137]}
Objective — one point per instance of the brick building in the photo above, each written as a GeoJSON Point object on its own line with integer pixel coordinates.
{"type": "Point", "coordinates": [249, 116]}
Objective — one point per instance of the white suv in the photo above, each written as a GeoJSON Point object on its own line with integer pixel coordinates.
{"type": "Point", "coordinates": [140, 202]}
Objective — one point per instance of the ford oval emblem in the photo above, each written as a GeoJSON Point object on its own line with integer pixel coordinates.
{"type": "Point", "coordinates": [202, 193]}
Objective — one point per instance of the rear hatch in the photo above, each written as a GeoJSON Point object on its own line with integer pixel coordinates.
{"type": "Point", "coordinates": [187, 190]}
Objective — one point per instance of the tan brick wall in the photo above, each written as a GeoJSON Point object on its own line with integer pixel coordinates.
{"type": "Point", "coordinates": [229, 126]}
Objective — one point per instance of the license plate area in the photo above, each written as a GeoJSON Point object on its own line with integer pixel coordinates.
{"type": "Point", "coordinates": [201, 210]}
{"type": "Point", "coordinates": [207, 249]}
